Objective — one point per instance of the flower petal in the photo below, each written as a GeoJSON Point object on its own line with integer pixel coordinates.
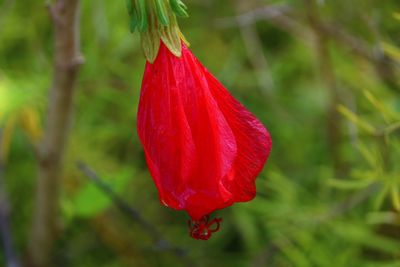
{"type": "Point", "coordinates": [203, 148]}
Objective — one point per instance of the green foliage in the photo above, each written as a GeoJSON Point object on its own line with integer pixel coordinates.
{"type": "Point", "coordinates": [90, 200]}
{"type": "Point", "coordinates": [308, 212]}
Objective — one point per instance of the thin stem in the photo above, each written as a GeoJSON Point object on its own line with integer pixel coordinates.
{"type": "Point", "coordinates": [161, 244]}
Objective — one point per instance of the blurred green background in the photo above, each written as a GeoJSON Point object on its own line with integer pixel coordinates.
{"type": "Point", "coordinates": [324, 79]}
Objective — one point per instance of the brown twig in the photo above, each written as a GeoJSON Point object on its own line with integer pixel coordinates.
{"type": "Point", "coordinates": [160, 243]}
{"type": "Point", "coordinates": [65, 17]}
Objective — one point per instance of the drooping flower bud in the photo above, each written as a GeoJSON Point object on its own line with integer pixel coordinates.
{"type": "Point", "coordinates": [203, 148]}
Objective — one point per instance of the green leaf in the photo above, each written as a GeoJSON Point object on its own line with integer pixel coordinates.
{"type": "Point", "coordinates": [368, 155]}
{"type": "Point", "coordinates": [383, 217]}
{"type": "Point", "coordinates": [386, 113]}
{"type": "Point", "coordinates": [349, 184]}
{"type": "Point", "coordinates": [356, 119]}
{"type": "Point", "coordinates": [391, 51]}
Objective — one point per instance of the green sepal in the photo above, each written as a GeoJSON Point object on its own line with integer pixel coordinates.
{"type": "Point", "coordinates": [151, 39]}
{"type": "Point", "coordinates": [129, 6]}
{"type": "Point", "coordinates": [162, 12]}
{"type": "Point", "coordinates": [141, 4]}
{"type": "Point", "coordinates": [150, 45]}
{"type": "Point", "coordinates": [171, 36]}
{"type": "Point", "coordinates": [133, 21]}
{"type": "Point", "coordinates": [179, 8]}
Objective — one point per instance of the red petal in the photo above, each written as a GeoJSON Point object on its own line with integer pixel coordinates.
{"type": "Point", "coordinates": [203, 148]}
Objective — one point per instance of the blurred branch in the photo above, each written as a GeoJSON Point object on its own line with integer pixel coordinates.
{"type": "Point", "coordinates": [11, 258]}
{"type": "Point", "coordinates": [161, 244]}
{"type": "Point", "coordinates": [384, 65]}
{"type": "Point", "coordinates": [67, 59]}
{"type": "Point", "coordinates": [255, 53]}
{"type": "Point", "coordinates": [276, 14]}
{"type": "Point", "coordinates": [284, 18]}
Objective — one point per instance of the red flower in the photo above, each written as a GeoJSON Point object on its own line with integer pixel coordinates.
{"type": "Point", "coordinates": [203, 148]}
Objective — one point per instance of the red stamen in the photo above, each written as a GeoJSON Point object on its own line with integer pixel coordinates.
{"type": "Point", "coordinates": [201, 229]}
